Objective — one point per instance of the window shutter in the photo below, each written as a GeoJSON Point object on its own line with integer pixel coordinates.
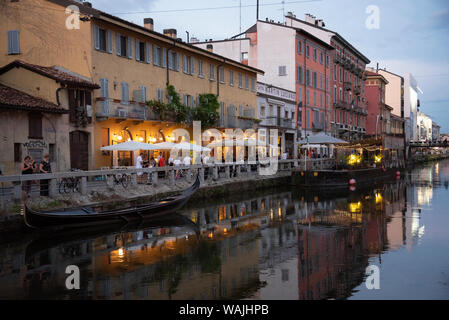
{"type": "Point", "coordinates": [72, 107]}
{"type": "Point", "coordinates": [118, 46]}
{"type": "Point", "coordinates": [148, 52]}
{"type": "Point", "coordinates": [177, 61]}
{"type": "Point", "coordinates": [192, 65]}
{"type": "Point", "coordinates": [164, 57]}
{"type": "Point", "coordinates": [124, 95]}
{"type": "Point", "coordinates": [13, 42]}
{"type": "Point", "coordinates": [96, 37]}
{"type": "Point", "coordinates": [155, 57]}
{"type": "Point", "coordinates": [137, 50]}
{"type": "Point", "coordinates": [109, 32]}
{"type": "Point", "coordinates": [130, 48]}
{"type": "Point", "coordinates": [143, 95]}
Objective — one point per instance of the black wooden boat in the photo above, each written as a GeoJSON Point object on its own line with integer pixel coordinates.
{"type": "Point", "coordinates": [87, 216]}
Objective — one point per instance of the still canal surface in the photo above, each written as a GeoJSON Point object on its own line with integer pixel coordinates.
{"type": "Point", "coordinates": [286, 244]}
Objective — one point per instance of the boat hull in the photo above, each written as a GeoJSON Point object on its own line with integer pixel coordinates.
{"type": "Point", "coordinates": [342, 178]}
{"type": "Point", "coordinates": [81, 217]}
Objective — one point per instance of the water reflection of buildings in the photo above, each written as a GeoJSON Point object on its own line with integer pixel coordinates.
{"type": "Point", "coordinates": [155, 263]}
{"type": "Point", "coordinates": [336, 239]}
{"type": "Point", "coordinates": [281, 246]}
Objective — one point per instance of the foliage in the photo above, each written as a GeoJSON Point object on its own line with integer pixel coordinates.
{"type": "Point", "coordinates": [206, 111]}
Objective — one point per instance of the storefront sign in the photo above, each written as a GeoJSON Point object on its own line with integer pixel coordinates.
{"type": "Point", "coordinates": [35, 144]}
{"type": "Point", "coordinates": [276, 92]}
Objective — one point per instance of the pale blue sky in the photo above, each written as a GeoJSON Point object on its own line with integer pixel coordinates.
{"type": "Point", "coordinates": [413, 35]}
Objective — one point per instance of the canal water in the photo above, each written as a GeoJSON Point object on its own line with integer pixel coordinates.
{"type": "Point", "coordinates": [283, 244]}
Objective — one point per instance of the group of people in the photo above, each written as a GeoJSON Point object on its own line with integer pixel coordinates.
{"type": "Point", "coordinates": [29, 166]}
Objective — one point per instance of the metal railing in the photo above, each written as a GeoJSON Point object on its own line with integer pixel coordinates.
{"type": "Point", "coordinates": [106, 179]}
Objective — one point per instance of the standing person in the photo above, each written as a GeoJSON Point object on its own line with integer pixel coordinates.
{"type": "Point", "coordinates": [139, 165]}
{"type": "Point", "coordinates": [27, 168]}
{"type": "Point", "coordinates": [151, 164]}
{"type": "Point", "coordinates": [45, 167]}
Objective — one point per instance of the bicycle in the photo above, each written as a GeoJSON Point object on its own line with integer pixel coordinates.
{"type": "Point", "coordinates": [123, 179]}
{"type": "Point", "coordinates": [68, 185]}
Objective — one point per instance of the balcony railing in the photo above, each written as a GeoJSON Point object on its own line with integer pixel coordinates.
{"type": "Point", "coordinates": [230, 121]}
{"type": "Point", "coordinates": [278, 122]}
{"type": "Point", "coordinates": [134, 110]}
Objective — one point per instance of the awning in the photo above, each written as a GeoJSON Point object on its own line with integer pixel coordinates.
{"type": "Point", "coordinates": [130, 145]}
{"type": "Point", "coordinates": [321, 138]}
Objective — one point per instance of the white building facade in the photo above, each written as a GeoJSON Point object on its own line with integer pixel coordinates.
{"type": "Point", "coordinates": [277, 109]}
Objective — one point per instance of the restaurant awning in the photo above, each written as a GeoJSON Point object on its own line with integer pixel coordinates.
{"type": "Point", "coordinates": [130, 145]}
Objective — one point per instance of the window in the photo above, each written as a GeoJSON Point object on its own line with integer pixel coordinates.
{"type": "Point", "coordinates": [13, 42]}
{"type": "Point", "coordinates": [314, 99]}
{"type": "Point", "coordinates": [335, 72]}
{"type": "Point", "coordinates": [246, 82]}
{"type": "Point", "coordinates": [299, 74]}
{"type": "Point", "coordinates": [282, 70]}
{"type": "Point", "coordinates": [314, 55]}
{"type": "Point", "coordinates": [104, 137]}
{"type": "Point", "coordinates": [253, 84]}
{"type": "Point", "coordinates": [321, 81]}
{"type": "Point", "coordinates": [200, 69]}
{"type": "Point", "coordinates": [35, 125]}
{"type": "Point", "coordinates": [125, 93]}
{"type": "Point", "coordinates": [158, 56]}
{"type": "Point", "coordinates": [160, 95]}
{"type": "Point", "coordinates": [321, 58]}
{"type": "Point", "coordinates": [192, 66]}
{"type": "Point", "coordinates": [307, 51]}
{"type": "Point", "coordinates": [308, 77]}
{"type": "Point", "coordinates": [221, 74]}
{"type": "Point", "coordinates": [314, 80]}
{"type": "Point", "coordinates": [173, 60]}
{"type": "Point", "coordinates": [121, 45]}
{"type": "Point", "coordinates": [211, 72]}
{"type": "Point", "coordinates": [17, 152]}
{"type": "Point", "coordinates": [140, 51]}
{"type": "Point", "coordinates": [102, 38]}
{"type": "Point", "coordinates": [307, 97]}
{"type": "Point", "coordinates": [185, 64]}
{"type": "Point", "coordinates": [299, 47]}
{"type": "Point", "coordinates": [78, 98]}
{"type": "Point", "coordinates": [240, 80]}
{"type": "Point", "coordinates": [231, 77]}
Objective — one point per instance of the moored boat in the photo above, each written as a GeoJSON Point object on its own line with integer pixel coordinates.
{"type": "Point", "coordinates": [88, 216]}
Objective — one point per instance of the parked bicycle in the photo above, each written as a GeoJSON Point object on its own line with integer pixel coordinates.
{"type": "Point", "coordinates": [70, 184]}
{"type": "Point", "coordinates": [122, 178]}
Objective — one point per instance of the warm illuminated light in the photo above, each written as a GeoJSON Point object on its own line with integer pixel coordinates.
{"type": "Point", "coordinates": [153, 139]}
{"type": "Point", "coordinates": [121, 252]}
{"type": "Point", "coordinates": [378, 197]}
{"type": "Point", "coordinates": [377, 158]}
{"type": "Point", "coordinates": [210, 235]}
{"type": "Point", "coordinates": [354, 159]}
{"type": "Point", "coordinates": [279, 212]}
{"type": "Point", "coordinates": [355, 207]}
{"type": "Point", "coordinates": [141, 139]}
{"type": "Point", "coordinates": [119, 138]}
{"type": "Point", "coordinates": [225, 230]}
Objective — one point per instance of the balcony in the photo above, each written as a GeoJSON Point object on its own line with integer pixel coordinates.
{"type": "Point", "coordinates": [278, 122]}
{"type": "Point", "coordinates": [115, 109]}
{"type": "Point", "coordinates": [234, 122]}
{"type": "Point", "coordinates": [347, 85]}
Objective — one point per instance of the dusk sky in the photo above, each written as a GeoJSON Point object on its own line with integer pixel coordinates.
{"type": "Point", "coordinates": [413, 35]}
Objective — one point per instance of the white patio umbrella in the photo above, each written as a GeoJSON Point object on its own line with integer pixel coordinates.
{"type": "Point", "coordinates": [130, 145]}
{"type": "Point", "coordinates": [165, 145]}
{"type": "Point", "coordinates": [190, 146]}
{"type": "Point", "coordinates": [321, 138]}
{"type": "Point", "coordinates": [228, 142]}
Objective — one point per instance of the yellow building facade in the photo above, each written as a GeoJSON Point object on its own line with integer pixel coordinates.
{"type": "Point", "coordinates": [132, 64]}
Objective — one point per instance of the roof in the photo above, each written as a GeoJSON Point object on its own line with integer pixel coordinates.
{"type": "Point", "coordinates": [14, 99]}
{"type": "Point", "coordinates": [337, 35]}
{"type": "Point", "coordinates": [100, 15]}
{"type": "Point", "coordinates": [58, 74]}
{"type": "Point", "coordinates": [372, 74]}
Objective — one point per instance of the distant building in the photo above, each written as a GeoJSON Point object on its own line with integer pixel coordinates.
{"type": "Point", "coordinates": [424, 127]}
{"type": "Point", "coordinates": [277, 109]}
{"type": "Point", "coordinates": [435, 131]}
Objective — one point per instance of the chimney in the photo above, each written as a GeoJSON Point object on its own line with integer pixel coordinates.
{"type": "Point", "coordinates": [170, 33]}
{"type": "Point", "coordinates": [210, 48]}
{"type": "Point", "coordinates": [194, 40]}
{"type": "Point", "coordinates": [87, 4]}
{"type": "Point", "coordinates": [148, 23]}
{"type": "Point", "coordinates": [289, 14]}
{"type": "Point", "coordinates": [310, 19]}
